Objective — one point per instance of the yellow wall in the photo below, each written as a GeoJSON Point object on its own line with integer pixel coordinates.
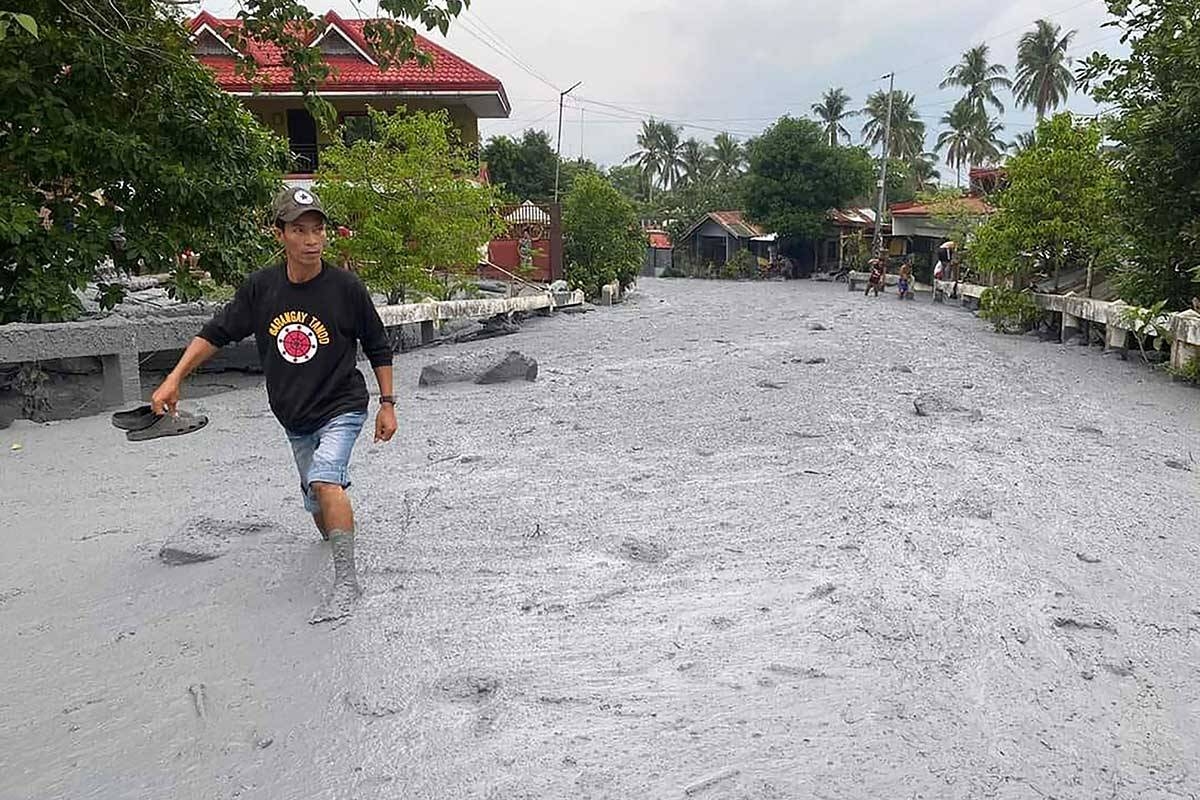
{"type": "Point", "coordinates": [272, 112]}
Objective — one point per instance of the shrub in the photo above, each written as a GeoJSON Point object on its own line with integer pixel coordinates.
{"type": "Point", "coordinates": [603, 240]}
{"type": "Point", "coordinates": [1009, 310]}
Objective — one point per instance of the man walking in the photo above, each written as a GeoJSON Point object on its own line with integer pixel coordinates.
{"type": "Point", "coordinates": [308, 318]}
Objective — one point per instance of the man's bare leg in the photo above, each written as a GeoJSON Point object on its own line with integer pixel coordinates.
{"type": "Point", "coordinates": [319, 521]}
{"type": "Point", "coordinates": [338, 518]}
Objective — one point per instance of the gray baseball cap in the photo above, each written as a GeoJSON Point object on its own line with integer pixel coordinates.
{"type": "Point", "coordinates": [293, 202]}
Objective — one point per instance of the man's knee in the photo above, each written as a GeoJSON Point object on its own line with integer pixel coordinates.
{"type": "Point", "coordinates": [326, 492]}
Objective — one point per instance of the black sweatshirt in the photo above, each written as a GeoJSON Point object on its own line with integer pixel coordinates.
{"type": "Point", "coordinates": [307, 336]}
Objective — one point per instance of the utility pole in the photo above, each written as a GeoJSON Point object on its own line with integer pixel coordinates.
{"type": "Point", "coordinates": [558, 148]}
{"type": "Point", "coordinates": [877, 245]}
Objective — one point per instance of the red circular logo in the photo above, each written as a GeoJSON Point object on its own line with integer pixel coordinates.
{"type": "Point", "coordinates": [297, 343]}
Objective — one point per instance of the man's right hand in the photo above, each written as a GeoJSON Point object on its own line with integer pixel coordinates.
{"type": "Point", "coordinates": [165, 397]}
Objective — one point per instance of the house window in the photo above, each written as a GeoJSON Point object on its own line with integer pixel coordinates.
{"type": "Point", "coordinates": [356, 127]}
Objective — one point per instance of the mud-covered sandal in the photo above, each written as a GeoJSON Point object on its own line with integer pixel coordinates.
{"type": "Point", "coordinates": [169, 425]}
{"type": "Point", "coordinates": [135, 420]}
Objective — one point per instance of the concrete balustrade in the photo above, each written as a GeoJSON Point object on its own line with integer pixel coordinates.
{"type": "Point", "coordinates": [119, 341]}
{"type": "Point", "coordinates": [1079, 313]}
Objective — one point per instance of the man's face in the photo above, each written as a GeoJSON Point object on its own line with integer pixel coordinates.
{"type": "Point", "coordinates": [304, 239]}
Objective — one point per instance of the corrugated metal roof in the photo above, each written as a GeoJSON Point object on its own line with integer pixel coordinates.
{"type": "Point", "coordinates": [853, 217]}
{"type": "Point", "coordinates": [976, 205]}
{"type": "Point", "coordinates": [736, 223]}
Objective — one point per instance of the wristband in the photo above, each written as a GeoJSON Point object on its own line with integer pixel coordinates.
{"type": "Point", "coordinates": [387, 398]}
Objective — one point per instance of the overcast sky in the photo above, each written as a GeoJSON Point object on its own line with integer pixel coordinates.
{"type": "Point", "coordinates": [734, 65]}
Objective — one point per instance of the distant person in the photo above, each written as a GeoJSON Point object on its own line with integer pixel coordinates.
{"type": "Point", "coordinates": [308, 318]}
{"type": "Point", "coordinates": [876, 278]}
{"type": "Point", "coordinates": [904, 282]}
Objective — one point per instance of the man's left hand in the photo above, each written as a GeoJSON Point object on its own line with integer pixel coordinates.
{"type": "Point", "coordinates": [385, 423]}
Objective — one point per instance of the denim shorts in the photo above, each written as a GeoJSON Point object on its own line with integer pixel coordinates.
{"type": "Point", "coordinates": [323, 456]}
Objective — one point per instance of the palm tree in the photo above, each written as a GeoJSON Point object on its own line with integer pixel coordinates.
{"type": "Point", "coordinates": [648, 156]}
{"type": "Point", "coordinates": [955, 140]}
{"type": "Point", "coordinates": [1043, 80]}
{"type": "Point", "coordinates": [908, 131]}
{"type": "Point", "coordinates": [697, 163]}
{"type": "Point", "coordinates": [1023, 142]}
{"type": "Point", "coordinates": [831, 111]}
{"type": "Point", "coordinates": [979, 78]}
{"type": "Point", "coordinates": [923, 172]}
{"type": "Point", "coordinates": [670, 155]}
{"type": "Point", "coordinates": [986, 144]}
{"type": "Point", "coordinates": [728, 156]}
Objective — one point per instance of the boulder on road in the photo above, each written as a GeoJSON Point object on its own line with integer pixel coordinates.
{"type": "Point", "coordinates": [484, 367]}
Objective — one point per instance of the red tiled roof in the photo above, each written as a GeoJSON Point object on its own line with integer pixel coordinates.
{"type": "Point", "coordinates": [970, 203]}
{"type": "Point", "coordinates": [659, 240]}
{"type": "Point", "coordinates": [448, 73]}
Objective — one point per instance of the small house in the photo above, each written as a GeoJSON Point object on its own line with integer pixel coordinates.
{"type": "Point", "coordinates": [719, 235]}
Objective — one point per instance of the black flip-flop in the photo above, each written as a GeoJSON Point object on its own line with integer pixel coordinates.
{"type": "Point", "coordinates": [169, 425]}
{"type": "Point", "coordinates": [138, 419]}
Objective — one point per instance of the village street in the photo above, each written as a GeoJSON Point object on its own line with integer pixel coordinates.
{"type": "Point", "coordinates": [711, 552]}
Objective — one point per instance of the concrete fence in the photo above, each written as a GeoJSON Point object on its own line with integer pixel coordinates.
{"type": "Point", "coordinates": [119, 341]}
{"type": "Point", "coordinates": [1077, 312]}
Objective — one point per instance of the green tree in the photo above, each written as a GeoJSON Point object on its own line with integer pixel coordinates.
{"type": "Point", "coordinates": [728, 155]}
{"type": "Point", "coordinates": [831, 112]}
{"type": "Point", "coordinates": [648, 157]}
{"type": "Point", "coordinates": [685, 204]}
{"type": "Point", "coordinates": [629, 181]}
{"type": "Point", "coordinates": [971, 136]}
{"type": "Point", "coordinates": [601, 236]}
{"type": "Point", "coordinates": [670, 155]}
{"type": "Point", "coordinates": [697, 163]}
{"type": "Point", "coordinates": [955, 140]}
{"type": "Point", "coordinates": [523, 167]}
{"type": "Point", "coordinates": [1157, 133]}
{"type": "Point", "coordinates": [120, 145]}
{"type": "Point", "coordinates": [117, 142]}
{"type": "Point", "coordinates": [407, 197]}
{"type": "Point", "coordinates": [908, 131]}
{"type": "Point", "coordinates": [1057, 208]}
{"type": "Point", "coordinates": [1043, 80]}
{"type": "Point", "coordinates": [796, 176]}
{"type": "Point", "coordinates": [979, 77]}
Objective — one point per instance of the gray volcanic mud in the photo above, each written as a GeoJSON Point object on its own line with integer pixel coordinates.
{"type": "Point", "coordinates": [693, 559]}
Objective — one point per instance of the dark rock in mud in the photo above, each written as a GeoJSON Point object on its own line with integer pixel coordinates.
{"type": "Point", "coordinates": [769, 385]}
{"type": "Point", "coordinates": [903, 369]}
{"type": "Point", "coordinates": [205, 539]}
{"type": "Point", "coordinates": [824, 590]}
{"type": "Point", "coordinates": [1087, 558]}
{"type": "Point", "coordinates": [483, 368]}
{"type": "Point", "coordinates": [648, 552]}
{"type": "Point", "coordinates": [816, 326]}
{"type": "Point", "coordinates": [932, 404]}
{"type": "Point", "coordinates": [1172, 463]}
{"type": "Point", "coordinates": [816, 360]}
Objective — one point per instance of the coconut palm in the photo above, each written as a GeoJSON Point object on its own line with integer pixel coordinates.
{"type": "Point", "coordinates": [1022, 142]}
{"type": "Point", "coordinates": [728, 156]}
{"type": "Point", "coordinates": [1043, 80]}
{"type": "Point", "coordinates": [670, 155]}
{"type": "Point", "coordinates": [697, 163]}
{"type": "Point", "coordinates": [908, 131]}
{"type": "Point", "coordinates": [923, 172]}
{"type": "Point", "coordinates": [987, 146]}
{"type": "Point", "coordinates": [648, 156]}
{"type": "Point", "coordinates": [955, 140]}
{"type": "Point", "coordinates": [980, 78]}
{"type": "Point", "coordinates": [831, 111]}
